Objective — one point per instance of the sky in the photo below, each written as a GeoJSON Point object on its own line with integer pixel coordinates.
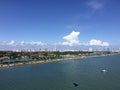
{"type": "Point", "coordinates": [41, 23]}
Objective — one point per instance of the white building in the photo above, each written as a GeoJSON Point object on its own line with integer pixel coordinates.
{"type": "Point", "coordinates": [90, 49]}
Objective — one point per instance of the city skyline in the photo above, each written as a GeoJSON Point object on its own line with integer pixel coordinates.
{"type": "Point", "coordinates": [59, 23]}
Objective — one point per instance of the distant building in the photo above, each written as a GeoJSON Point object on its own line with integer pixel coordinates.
{"type": "Point", "coordinates": [118, 51]}
{"type": "Point", "coordinates": [90, 49]}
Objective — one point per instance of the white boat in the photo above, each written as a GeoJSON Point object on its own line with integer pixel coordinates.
{"type": "Point", "coordinates": [104, 70]}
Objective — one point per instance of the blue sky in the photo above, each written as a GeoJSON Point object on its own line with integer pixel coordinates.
{"type": "Point", "coordinates": [50, 21]}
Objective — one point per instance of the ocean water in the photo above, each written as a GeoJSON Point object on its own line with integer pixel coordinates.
{"type": "Point", "coordinates": [61, 75]}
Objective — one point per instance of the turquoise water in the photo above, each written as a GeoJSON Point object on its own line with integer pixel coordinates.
{"type": "Point", "coordinates": [61, 75]}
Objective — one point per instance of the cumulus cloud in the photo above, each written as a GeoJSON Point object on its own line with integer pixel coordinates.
{"type": "Point", "coordinates": [71, 39]}
{"type": "Point", "coordinates": [22, 43]}
{"type": "Point", "coordinates": [71, 42]}
{"type": "Point", "coordinates": [95, 42]}
{"type": "Point", "coordinates": [11, 42]}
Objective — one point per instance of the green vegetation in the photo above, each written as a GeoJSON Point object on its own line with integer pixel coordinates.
{"type": "Point", "coordinates": [7, 57]}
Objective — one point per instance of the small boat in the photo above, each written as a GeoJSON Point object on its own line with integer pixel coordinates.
{"type": "Point", "coordinates": [104, 70]}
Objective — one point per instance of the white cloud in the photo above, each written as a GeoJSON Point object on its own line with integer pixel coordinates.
{"type": "Point", "coordinates": [22, 43]}
{"type": "Point", "coordinates": [95, 5]}
{"type": "Point", "coordinates": [3, 43]}
{"type": "Point", "coordinates": [36, 43]}
{"type": "Point", "coordinates": [11, 42]}
{"type": "Point", "coordinates": [71, 39]}
{"type": "Point", "coordinates": [98, 43]}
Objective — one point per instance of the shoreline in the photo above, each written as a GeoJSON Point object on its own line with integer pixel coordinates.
{"type": "Point", "coordinates": [33, 62]}
{"type": "Point", "coordinates": [47, 61]}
